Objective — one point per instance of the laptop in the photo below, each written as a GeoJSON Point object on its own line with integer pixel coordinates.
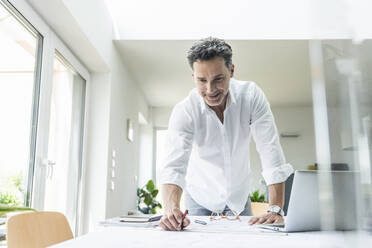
{"type": "Point", "coordinates": [303, 209]}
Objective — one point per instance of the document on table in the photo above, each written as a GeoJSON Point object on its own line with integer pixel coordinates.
{"type": "Point", "coordinates": [226, 226]}
{"type": "Point", "coordinates": [212, 226]}
{"type": "Point", "coordinates": [219, 234]}
{"type": "Point", "coordinates": [116, 222]}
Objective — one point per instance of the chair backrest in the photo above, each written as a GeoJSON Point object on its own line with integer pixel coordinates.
{"type": "Point", "coordinates": [37, 229]}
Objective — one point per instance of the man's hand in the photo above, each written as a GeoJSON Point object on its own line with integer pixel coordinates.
{"type": "Point", "coordinates": [276, 197]}
{"type": "Point", "coordinates": [172, 219]}
{"type": "Point", "coordinates": [268, 218]}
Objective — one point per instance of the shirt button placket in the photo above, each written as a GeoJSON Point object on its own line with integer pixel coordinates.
{"type": "Point", "coordinates": [227, 159]}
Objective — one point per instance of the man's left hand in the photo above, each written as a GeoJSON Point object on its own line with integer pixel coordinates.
{"type": "Point", "coordinates": [268, 218]}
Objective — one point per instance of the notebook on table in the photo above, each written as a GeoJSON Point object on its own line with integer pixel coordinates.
{"type": "Point", "coordinates": [140, 218]}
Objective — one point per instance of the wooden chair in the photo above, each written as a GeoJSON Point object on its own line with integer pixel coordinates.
{"type": "Point", "coordinates": [37, 230]}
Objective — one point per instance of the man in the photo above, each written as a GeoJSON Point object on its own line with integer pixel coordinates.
{"type": "Point", "coordinates": [207, 150]}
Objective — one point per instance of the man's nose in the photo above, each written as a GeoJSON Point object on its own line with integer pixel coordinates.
{"type": "Point", "coordinates": [210, 88]}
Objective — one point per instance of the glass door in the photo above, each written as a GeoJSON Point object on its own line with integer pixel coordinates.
{"type": "Point", "coordinates": [64, 160]}
{"type": "Point", "coordinates": [342, 93]}
{"type": "Point", "coordinates": [20, 49]}
{"type": "Point", "coordinates": [42, 107]}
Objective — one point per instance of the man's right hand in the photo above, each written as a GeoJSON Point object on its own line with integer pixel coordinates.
{"type": "Point", "coordinates": [172, 219]}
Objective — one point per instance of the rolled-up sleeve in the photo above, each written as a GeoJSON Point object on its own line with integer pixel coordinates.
{"type": "Point", "coordinates": [177, 148]}
{"type": "Point", "coordinates": [265, 134]}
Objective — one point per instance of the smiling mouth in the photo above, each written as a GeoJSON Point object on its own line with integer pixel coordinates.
{"type": "Point", "coordinates": [213, 97]}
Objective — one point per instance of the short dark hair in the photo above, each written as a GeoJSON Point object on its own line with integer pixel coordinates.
{"type": "Point", "coordinates": [209, 48]}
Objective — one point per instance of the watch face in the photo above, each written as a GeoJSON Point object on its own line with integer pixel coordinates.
{"type": "Point", "coordinates": [274, 209]}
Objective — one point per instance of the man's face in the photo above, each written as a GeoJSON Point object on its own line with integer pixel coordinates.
{"type": "Point", "coordinates": [212, 79]}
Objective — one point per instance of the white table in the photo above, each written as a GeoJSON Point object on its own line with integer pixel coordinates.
{"type": "Point", "coordinates": [200, 236]}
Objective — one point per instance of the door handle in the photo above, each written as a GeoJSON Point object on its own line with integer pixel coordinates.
{"type": "Point", "coordinates": [49, 164]}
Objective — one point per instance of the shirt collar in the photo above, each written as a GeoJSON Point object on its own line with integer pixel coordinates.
{"type": "Point", "coordinates": [231, 98]}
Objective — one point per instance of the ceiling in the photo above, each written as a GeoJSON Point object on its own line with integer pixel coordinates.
{"type": "Point", "coordinates": [280, 67]}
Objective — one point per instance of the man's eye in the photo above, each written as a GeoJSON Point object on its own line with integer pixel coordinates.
{"type": "Point", "coordinates": [218, 79]}
{"type": "Point", "coordinates": [203, 81]}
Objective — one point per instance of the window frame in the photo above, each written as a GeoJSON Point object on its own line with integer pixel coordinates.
{"type": "Point", "coordinates": [155, 150]}
{"type": "Point", "coordinates": [50, 43]}
{"type": "Point", "coordinates": [35, 95]}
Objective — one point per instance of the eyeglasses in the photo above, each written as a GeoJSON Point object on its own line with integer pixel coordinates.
{"type": "Point", "coordinates": [229, 215]}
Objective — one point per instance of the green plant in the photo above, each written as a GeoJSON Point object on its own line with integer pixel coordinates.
{"type": "Point", "coordinates": [257, 197]}
{"type": "Point", "coordinates": [147, 202]}
{"type": "Point", "coordinates": [4, 209]}
{"type": "Point", "coordinates": [9, 199]}
{"type": "Point", "coordinates": [17, 180]}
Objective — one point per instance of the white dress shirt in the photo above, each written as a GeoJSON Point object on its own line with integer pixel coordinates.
{"type": "Point", "coordinates": [211, 159]}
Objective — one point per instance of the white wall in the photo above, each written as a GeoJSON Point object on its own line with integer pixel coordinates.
{"type": "Point", "coordinates": [160, 116]}
{"type": "Point", "coordinates": [94, 21]}
{"type": "Point", "coordinates": [95, 170]}
{"type": "Point", "coordinates": [125, 98]}
{"type": "Point", "coordinates": [109, 143]}
{"type": "Point", "coordinates": [145, 170]}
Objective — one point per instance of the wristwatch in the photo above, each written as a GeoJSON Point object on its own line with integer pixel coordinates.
{"type": "Point", "coordinates": [276, 209]}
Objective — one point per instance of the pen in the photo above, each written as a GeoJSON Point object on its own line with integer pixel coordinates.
{"type": "Point", "coordinates": [183, 217]}
{"type": "Point", "coordinates": [200, 222]}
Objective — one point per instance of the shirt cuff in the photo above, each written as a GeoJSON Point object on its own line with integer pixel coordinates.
{"type": "Point", "coordinates": [277, 174]}
{"type": "Point", "coordinates": [178, 180]}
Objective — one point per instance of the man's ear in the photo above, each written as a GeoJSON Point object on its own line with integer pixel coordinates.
{"type": "Point", "coordinates": [232, 70]}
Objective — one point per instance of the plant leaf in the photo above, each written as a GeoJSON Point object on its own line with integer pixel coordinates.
{"type": "Point", "coordinates": [155, 193]}
{"type": "Point", "coordinates": [150, 186]}
{"type": "Point", "coordinates": [257, 197]}
{"type": "Point", "coordinates": [148, 199]}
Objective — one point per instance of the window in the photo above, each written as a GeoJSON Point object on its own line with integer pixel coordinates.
{"type": "Point", "coordinates": [64, 163]}
{"type": "Point", "coordinates": [42, 106]}
{"type": "Point", "coordinates": [161, 135]}
{"type": "Point", "coordinates": [19, 92]}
